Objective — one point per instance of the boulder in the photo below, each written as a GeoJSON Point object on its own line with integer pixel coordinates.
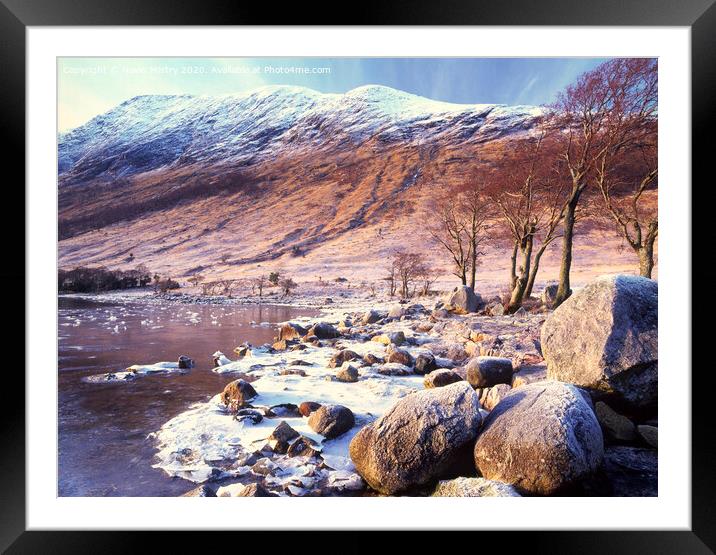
{"type": "Point", "coordinates": [650, 434]}
{"type": "Point", "coordinates": [342, 356]}
{"type": "Point", "coordinates": [456, 352]}
{"type": "Point", "coordinates": [281, 345]}
{"type": "Point", "coordinates": [370, 359]}
{"type": "Point", "coordinates": [604, 338]}
{"type": "Point", "coordinates": [396, 311]}
{"type": "Point", "coordinates": [473, 487]}
{"type": "Point", "coordinates": [347, 373]}
{"type": "Point", "coordinates": [291, 331]}
{"type": "Point", "coordinates": [541, 438]}
{"type": "Point", "coordinates": [425, 363]}
{"type": "Point", "coordinates": [529, 374]}
{"type": "Point", "coordinates": [237, 394]}
{"type": "Point", "coordinates": [331, 420]}
{"type": "Point", "coordinates": [280, 438]}
{"type": "Point", "coordinates": [463, 299]}
{"type": "Point", "coordinates": [307, 407]}
{"type": "Point", "coordinates": [615, 426]}
{"type": "Point", "coordinates": [322, 330]}
{"type": "Point", "coordinates": [485, 371]}
{"type": "Point", "coordinates": [631, 471]}
{"type": "Point", "coordinates": [401, 356]}
{"type": "Point", "coordinates": [185, 362]}
{"type": "Point", "coordinates": [303, 447]}
{"type": "Point", "coordinates": [418, 439]}
{"type": "Point", "coordinates": [496, 309]}
{"type": "Point", "coordinates": [440, 378]}
{"type": "Point", "coordinates": [370, 317]}
{"type": "Point", "coordinates": [549, 294]}
{"type": "Point", "coordinates": [493, 395]}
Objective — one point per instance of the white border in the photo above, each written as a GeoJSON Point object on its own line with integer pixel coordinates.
{"type": "Point", "coordinates": [671, 510]}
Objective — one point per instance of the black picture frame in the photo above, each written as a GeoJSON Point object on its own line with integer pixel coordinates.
{"type": "Point", "coordinates": [16, 15]}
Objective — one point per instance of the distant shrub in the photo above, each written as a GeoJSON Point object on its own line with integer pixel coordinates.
{"type": "Point", "coordinates": [93, 280]}
{"type": "Point", "coordinates": [167, 284]}
{"type": "Point", "coordinates": [273, 278]}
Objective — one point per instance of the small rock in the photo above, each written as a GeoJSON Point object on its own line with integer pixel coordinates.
{"type": "Point", "coordinates": [342, 356]}
{"type": "Point", "coordinates": [494, 395]}
{"type": "Point", "coordinates": [425, 363]}
{"type": "Point", "coordinates": [280, 438]}
{"type": "Point", "coordinates": [616, 426]}
{"type": "Point", "coordinates": [201, 491]}
{"type": "Point", "coordinates": [371, 359]}
{"type": "Point", "coordinates": [632, 471]}
{"type": "Point", "coordinates": [496, 309]}
{"type": "Point", "coordinates": [237, 394]}
{"type": "Point", "coordinates": [252, 415]}
{"type": "Point", "coordinates": [473, 487]}
{"type": "Point", "coordinates": [485, 371]}
{"type": "Point", "coordinates": [549, 294]}
{"type": "Point", "coordinates": [185, 362]}
{"type": "Point", "coordinates": [285, 410]}
{"type": "Point", "coordinates": [529, 374]}
{"type": "Point", "coordinates": [347, 373]}
{"type": "Point", "coordinates": [396, 311]}
{"type": "Point", "coordinates": [401, 356]}
{"type": "Point", "coordinates": [397, 338]}
{"type": "Point", "coordinates": [370, 317]}
{"type": "Point", "coordinates": [331, 420]}
{"type": "Point", "coordinates": [307, 407]}
{"type": "Point", "coordinates": [243, 350]}
{"type": "Point", "coordinates": [650, 434]}
{"type": "Point", "coordinates": [255, 490]}
{"type": "Point", "coordinates": [440, 378]}
{"type": "Point", "coordinates": [290, 331]}
{"type": "Point", "coordinates": [303, 447]}
{"type": "Point", "coordinates": [322, 330]}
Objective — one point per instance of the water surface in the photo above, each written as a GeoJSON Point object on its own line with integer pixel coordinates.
{"type": "Point", "coordinates": [103, 445]}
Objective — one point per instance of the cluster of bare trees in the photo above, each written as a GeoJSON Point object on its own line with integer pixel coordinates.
{"type": "Point", "coordinates": [593, 153]}
{"type": "Point", "coordinates": [409, 273]}
{"type": "Point", "coordinates": [257, 284]}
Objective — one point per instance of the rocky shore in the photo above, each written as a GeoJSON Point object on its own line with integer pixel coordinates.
{"type": "Point", "coordinates": [452, 399]}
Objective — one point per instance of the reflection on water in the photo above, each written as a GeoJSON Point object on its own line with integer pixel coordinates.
{"type": "Point", "coordinates": [103, 445]}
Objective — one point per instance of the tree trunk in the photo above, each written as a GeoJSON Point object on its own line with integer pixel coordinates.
{"type": "Point", "coordinates": [533, 271]}
{"type": "Point", "coordinates": [513, 266]}
{"type": "Point", "coordinates": [646, 257]}
{"type": "Point", "coordinates": [564, 290]}
{"type": "Point", "coordinates": [521, 284]}
{"type": "Point", "coordinates": [473, 261]}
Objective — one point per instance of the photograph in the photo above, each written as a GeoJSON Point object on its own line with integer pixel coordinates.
{"type": "Point", "coordinates": [357, 276]}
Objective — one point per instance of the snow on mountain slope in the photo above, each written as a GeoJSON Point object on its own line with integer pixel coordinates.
{"type": "Point", "coordinates": [148, 132]}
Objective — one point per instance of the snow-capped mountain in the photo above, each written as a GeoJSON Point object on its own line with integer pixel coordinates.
{"type": "Point", "coordinates": [148, 132]}
{"type": "Point", "coordinates": [179, 181]}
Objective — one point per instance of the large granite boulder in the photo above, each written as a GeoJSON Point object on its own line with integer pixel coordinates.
{"type": "Point", "coordinates": [604, 338]}
{"type": "Point", "coordinates": [463, 299]}
{"type": "Point", "coordinates": [541, 438]}
{"type": "Point", "coordinates": [418, 439]}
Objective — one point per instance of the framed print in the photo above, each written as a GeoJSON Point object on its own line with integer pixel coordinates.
{"type": "Point", "coordinates": [398, 275]}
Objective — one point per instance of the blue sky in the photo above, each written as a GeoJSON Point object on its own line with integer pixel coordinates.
{"type": "Point", "coordinates": [90, 86]}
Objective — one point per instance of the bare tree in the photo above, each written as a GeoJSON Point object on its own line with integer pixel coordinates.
{"type": "Point", "coordinates": [461, 224]}
{"type": "Point", "coordinates": [259, 283]}
{"type": "Point", "coordinates": [287, 284]}
{"type": "Point", "coordinates": [409, 266]}
{"type": "Point", "coordinates": [526, 188]}
{"type": "Point", "coordinates": [606, 110]}
{"type": "Point", "coordinates": [227, 286]}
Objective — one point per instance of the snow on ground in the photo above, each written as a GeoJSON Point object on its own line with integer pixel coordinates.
{"type": "Point", "coordinates": [135, 371]}
{"type": "Point", "coordinates": [206, 442]}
